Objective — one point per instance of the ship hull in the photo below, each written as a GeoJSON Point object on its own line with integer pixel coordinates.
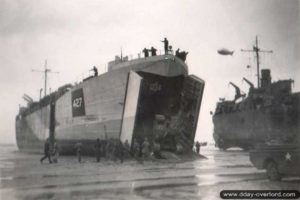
{"type": "Point", "coordinates": [32, 130]}
{"type": "Point", "coordinates": [247, 128]}
{"type": "Point", "coordinates": [94, 109]}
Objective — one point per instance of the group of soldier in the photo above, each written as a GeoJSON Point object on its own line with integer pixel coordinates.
{"type": "Point", "coordinates": [109, 149]}
{"type": "Point", "coordinates": [168, 50]}
{"type": "Point", "coordinates": [152, 50]}
{"type": "Point", "coordinates": [112, 149]}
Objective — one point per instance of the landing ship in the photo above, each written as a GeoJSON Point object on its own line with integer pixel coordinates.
{"type": "Point", "coordinates": [125, 103]}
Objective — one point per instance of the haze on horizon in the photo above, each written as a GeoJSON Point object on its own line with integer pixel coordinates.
{"type": "Point", "coordinates": [75, 35]}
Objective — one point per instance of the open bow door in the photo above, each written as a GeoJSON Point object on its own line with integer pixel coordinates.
{"type": "Point", "coordinates": [192, 93]}
{"type": "Point", "coordinates": [130, 107]}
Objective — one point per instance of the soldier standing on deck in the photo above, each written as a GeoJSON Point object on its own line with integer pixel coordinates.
{"type": "Point", "coordinates": [146, 52]}
{"type": "Point", "coordinates": [177, 52]}
{"type": "Point", "coordinates": [46, 151]}
{"type": "Point", "coordinates": [166, 46]}
{"type": "Point", "coordinates": [98, 149]}
{"type": "Point", "coordinates": [170, 49]}
{"type": "Point", "coordinates": [95, 70]}
{"type": "Point", "coordinates": [153, 51]}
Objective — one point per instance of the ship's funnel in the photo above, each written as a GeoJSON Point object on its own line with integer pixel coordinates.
{"type": "Point", "coordinates": [265, 78]}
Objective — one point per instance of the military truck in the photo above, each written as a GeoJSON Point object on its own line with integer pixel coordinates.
{"type": "Point", "coordinates": [277, 159]}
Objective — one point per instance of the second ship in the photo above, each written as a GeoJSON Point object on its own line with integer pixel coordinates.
{"type": "Point", "coordinates": [269, 114]}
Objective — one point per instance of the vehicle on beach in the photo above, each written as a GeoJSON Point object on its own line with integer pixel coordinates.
{"type": "Point", "coordinates": [278, 160]}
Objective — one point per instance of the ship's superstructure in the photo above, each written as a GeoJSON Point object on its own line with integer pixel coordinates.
{"type": "Point", "coordinates": [123, 103]}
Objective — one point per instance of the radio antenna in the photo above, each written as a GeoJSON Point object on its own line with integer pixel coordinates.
{"type": "Point", "coordinates": [45, 71]}
{"type": "Point", "coordinates": [257, 50]}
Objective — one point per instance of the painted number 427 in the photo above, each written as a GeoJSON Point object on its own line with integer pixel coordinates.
{"type": "Point", "coordinates": [77, 102]}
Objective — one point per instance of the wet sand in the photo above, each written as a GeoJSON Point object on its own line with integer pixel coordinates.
{"type": "Point", "coordinates": [22, 176]}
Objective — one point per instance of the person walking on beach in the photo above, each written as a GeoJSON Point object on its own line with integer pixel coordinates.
{"type": "Point", "coordinates": [145, 148]}
{"type": "Point", "coordinates": [126, 149]}
{"type": "Point", "coordinates": [156, 147]}
{"type": "Point", "coordinates": [55, 152]}
{"type": "Point", "coordinates": [78, 146]}
{"type": "Point", "coordinates": [198, 147]}
{"type": "Point", "coordinates": [136, 149]}
{"type": "Point", "coordinates": [46, 151]}
{"type": "Point", "coordinates": [109, 148]}
{"type": "Point", "coordinates": [119, 151]}
{"type": "Point", "coordinates": [98, 149]}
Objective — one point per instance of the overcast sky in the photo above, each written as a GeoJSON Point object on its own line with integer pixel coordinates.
{"type": "Point", "coordinates": [75, 35]}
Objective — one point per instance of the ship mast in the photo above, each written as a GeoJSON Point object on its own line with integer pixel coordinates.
{"type": "Point", "coordinates": [47, 70]}
{"type": "Point", "coordinates": [257, 50]}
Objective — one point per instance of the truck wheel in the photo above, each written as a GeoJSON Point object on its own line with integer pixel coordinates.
{"type": "Point", "coordinates": [272, 171]}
